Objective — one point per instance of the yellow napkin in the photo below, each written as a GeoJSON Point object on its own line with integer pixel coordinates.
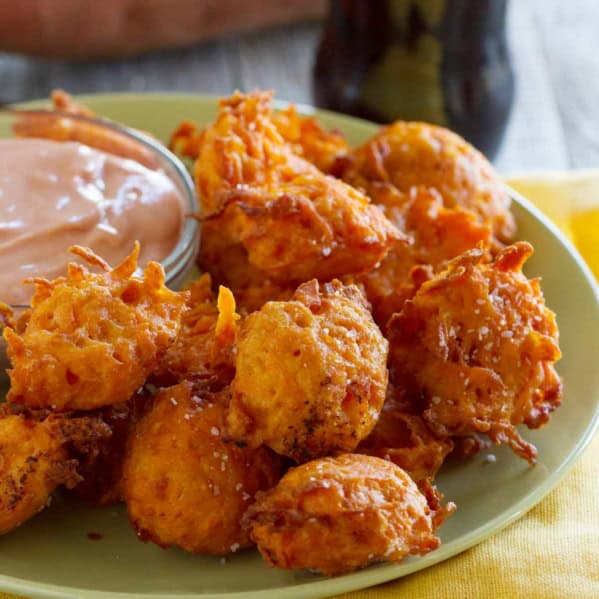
{"type": "Point", "coordinates": [553, 551]}
{"type": "Point", "coordinates": [571, 200]}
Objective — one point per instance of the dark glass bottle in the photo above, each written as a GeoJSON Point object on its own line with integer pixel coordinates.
{"type": "Point", "coordinates": [441, 61]}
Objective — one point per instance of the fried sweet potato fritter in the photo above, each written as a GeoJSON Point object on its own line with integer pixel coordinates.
{"type": "Point", "coordinates": [293, 222]}
{"type": "Point", "coordinates": [436, 234]}
{"type": "Point", "coordinates": [34, 461]}
{"type": "Point", "coordinates": [326, 150]}
{"type": "Point", "coordinates": [409, 154]}
{"type": "Point", "coordinates": [183, 484]}
{"type": "Point", "coordinates": [311, 373]}
{"type": "Point", "coordinates": [339, 514]}
{"type": "Point", "coordinates": [313, 226]}
{"type": "Point", "coordinates": [92, 339]}
{"type": "Point", "coordinates": [204, 349]}
{"type": "Point", "coordinates": [478, 344]}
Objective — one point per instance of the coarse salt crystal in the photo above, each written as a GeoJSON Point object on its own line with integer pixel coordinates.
{"type": "Point", "coordinates": [507, 334]}
{"type": "Point", "coordinates": [214, 431]}
{"type": "Point", "coordinates": [234, 547]}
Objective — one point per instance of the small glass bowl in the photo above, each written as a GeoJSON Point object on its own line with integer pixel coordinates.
{"type": "Point", "coordinates": [127, 143]}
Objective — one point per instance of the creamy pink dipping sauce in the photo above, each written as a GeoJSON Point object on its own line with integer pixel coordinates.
{"type": "Point", "coordinates": [57, 194]}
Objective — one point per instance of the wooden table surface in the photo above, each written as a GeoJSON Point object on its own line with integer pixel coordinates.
{"type": "Point", "coordinates": [554, 123]}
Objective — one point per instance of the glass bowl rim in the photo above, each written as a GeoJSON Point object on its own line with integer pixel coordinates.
{"type": "Point", "coordinates": [188, 243]}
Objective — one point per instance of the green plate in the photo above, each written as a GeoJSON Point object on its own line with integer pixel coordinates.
{"type": "Point", "coordinates": [51, 556]}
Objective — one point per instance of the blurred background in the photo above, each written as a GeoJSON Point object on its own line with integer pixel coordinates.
{"type": "Point", "coordinates": [551, 113]}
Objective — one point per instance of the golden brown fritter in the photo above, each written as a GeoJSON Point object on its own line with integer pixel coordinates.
{"type": "Point", "coordinates": [409, 154]}
{"type": "Point", "coordinates": [339, 514]}
{"type": "Point", "coordinates": [241, 149]}
{"type": "Point", "coordinates": [326, 150]}
{"type": "Point", "coordinates": [293, 221]}
{"type": "Point", "coordinates": [436, 234]}
{"type": "Point", "coordinates": [34, 461]}
{"type": "Point", "coordinates": [183, 484]}
{"type": "Point", "coordinates": [92, 339]}
{"type": "Point", "coordinates": [311, 373]}
{"type": "Point", "coordinates": [478, 345]}
{"type": "Point", "coordinates": [313, 226]}
{"type": "Point", "coordinates": [403, 437]}
{"type": "Point", "coordinates": [204, 349]}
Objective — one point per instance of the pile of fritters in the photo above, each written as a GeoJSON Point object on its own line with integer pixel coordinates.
{"type": "Point", "coordinates": [360, 318]}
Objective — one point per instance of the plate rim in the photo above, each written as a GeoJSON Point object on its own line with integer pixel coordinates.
{"type": "Point", "coordinates": [385, 572]}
